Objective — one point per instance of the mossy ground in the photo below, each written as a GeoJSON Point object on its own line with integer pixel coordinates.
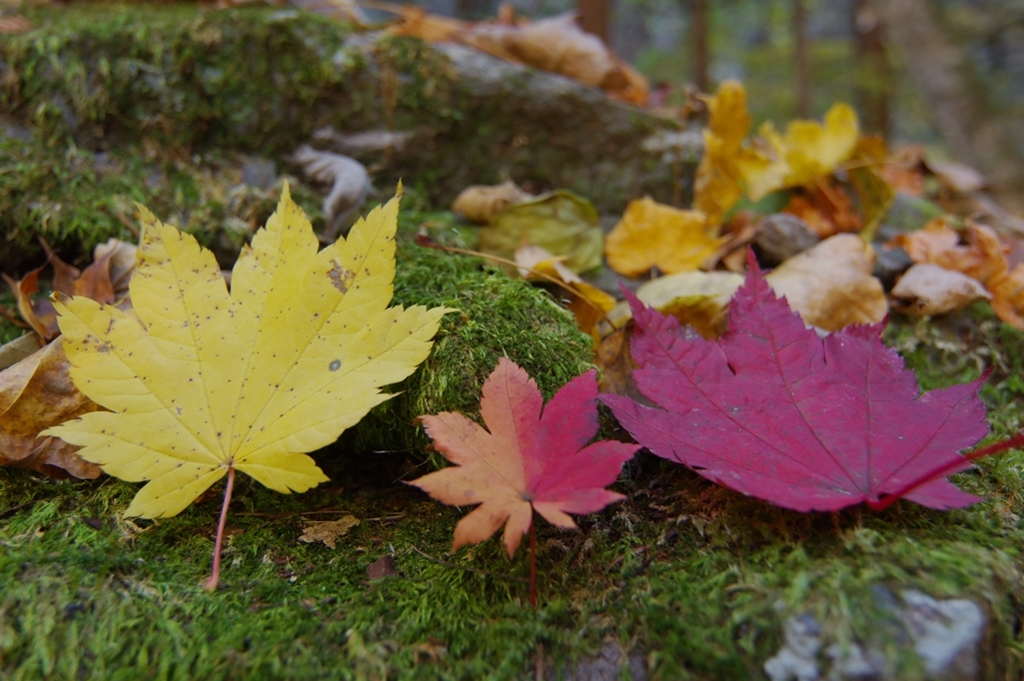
{"type": "Point", "coordinates": [695, 577]}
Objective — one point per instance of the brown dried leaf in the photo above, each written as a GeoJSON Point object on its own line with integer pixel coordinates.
{"type": "Point", "coordinates": [37, 393]}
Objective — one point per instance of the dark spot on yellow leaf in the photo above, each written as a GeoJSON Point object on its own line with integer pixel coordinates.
{"type": "Point", "coordinates": [335, 365]}
{"type": "Point", "coordinates": [340, 277]}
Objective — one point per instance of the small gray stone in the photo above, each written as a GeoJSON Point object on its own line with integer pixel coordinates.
{"type": "Point", "coordinates": [890, 263]}
{"type": "Point", "coordinates": [946, 634]}
{"type": "Point", "coordinates": [797, 659]}
{"type": "Point", "coordinates": [780, 237]}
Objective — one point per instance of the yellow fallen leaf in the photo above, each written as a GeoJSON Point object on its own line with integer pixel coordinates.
{"type": "Point", "coordinates": [204, 383]}
{"type": "Point", "coordinates": [651, 234]}
{"type": "Point", "coordinates": [814, 149]}
{"type": "Point", "coordinates": [718, 184]}
{"type": "Point", "coordinates": [831, 285]}
{"type": "Point", "coordinates": [762, 164]}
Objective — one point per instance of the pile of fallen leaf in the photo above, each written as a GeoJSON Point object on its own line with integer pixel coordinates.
{"type": "Point", "coordinates": [810, 201]}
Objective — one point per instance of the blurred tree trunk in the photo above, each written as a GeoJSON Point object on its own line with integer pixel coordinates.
{"type": "Point", "coordinates": [874, 72]}
{"type": "Point", "coordinates": [699, 41]}
{"type": "Point", "coordinates": [957, 97]}
{"type": "Point", "coordinates": [802, 59]}
{"type": "Point", "coordinates": [594, 17]}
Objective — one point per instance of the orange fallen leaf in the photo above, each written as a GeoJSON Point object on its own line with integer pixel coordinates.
{"type": "Point", "coordinates": [983, 258]}
{"type": "Point", "coordinates": [651, 234]}
{"type": "Point", "coordinates": [94, 283]}
{"type": "Point", "coordinates": [533, 457]}
{"type": "Point", "coordinates": [827, 209]}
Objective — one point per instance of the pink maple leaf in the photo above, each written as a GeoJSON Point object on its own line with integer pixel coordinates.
{"type": "Point", "coordinates": [773, 411]}
{"type": "Point", "coordinates": [532, 458]}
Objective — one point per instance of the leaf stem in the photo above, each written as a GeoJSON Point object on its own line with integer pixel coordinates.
{"type": "Point", "coordinates": [533, 563]}
{"type": "Point", "coordinates": [948, 468]}
{"type": "Point", "coordinates": [211, 583]}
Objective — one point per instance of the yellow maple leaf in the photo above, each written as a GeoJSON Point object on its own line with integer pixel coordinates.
{"type": "Point", "coordinates": [654, 235]}
{"type": "Point", "coordinates": [814, 149]}
{"type": "Point", "coordinates": [205, 382]}
{"type": "Point", "coordinates": [718, 184]}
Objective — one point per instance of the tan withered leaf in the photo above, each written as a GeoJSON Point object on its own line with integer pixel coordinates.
{"type": "Point", "coordinates": [651, 234]}
{"type": "Point", "coordinates": [37, 393]}
{"type": "Point", "coordinates": [327, 532]}
{"type": "Point", "coordinates": [479, 203]}
{"type": "Point", "coordinates": [831, 285]}
{"type": "Point", "coordinates": [926, 290]}
{"type": "Point", "coordinates": [555, 44]}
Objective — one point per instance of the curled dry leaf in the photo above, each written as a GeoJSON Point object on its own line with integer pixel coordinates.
{"type": "Point", "coordinates": [956, 177]}
{"type": "Point", "coordinates": [831, 285]}
{"type": "Point", "coordinates": [18, 349]}
{"type": "Point", "coordinates": [94, 283]}
{"type": "Point", "coordinates": [651, 234]}
{"type": "Point", "coordinates": [926, 290]}
{"type": "Point", "coordinates": [349, 182]}
{"type": "Point", "coordinates": [327, 532]}
{"type": "Point", "coordinates": [560, 222]}
{"type": "Point", "coordinates": [14, 23]}
{"type": "Point", "coordinates": [479, 203]}
{"type": "Point", "coordinates": [37, 393]}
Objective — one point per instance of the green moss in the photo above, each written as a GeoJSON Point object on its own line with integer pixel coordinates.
{"type": "Point", "coordinates": [494, 317]}
{"type": "Point", "coordinates": [75, 199]}
{"type": "Point", "coordinates": [179, 75]}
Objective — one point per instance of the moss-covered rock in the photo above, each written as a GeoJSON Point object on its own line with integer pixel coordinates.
{"type": "Point", "coordinates": [185, 79]}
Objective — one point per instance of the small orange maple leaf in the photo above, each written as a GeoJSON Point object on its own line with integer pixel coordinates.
{"type": "Point", "coordinates": [533, 458]}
